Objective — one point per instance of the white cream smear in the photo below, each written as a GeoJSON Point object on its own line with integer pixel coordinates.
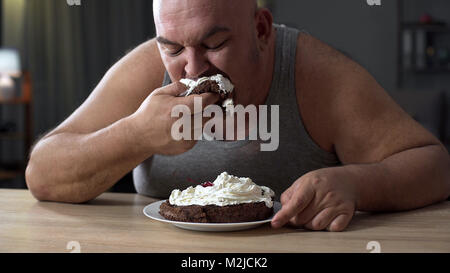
{"type": "Point", "coordinates": [224, 84]}
{"type": "Point", "coordinates": [226, 190]}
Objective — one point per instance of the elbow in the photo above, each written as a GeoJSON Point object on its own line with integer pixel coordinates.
{"type": "Point", "coordinates": [446, 195]}
{"type": "Point", "coordinates": [445, 190]}
{"type": "Point", "coordinates": [446, 175]}
{"type": "Point", "coordinates": [45, 184]}
{"type": "Point", "coordinates": [41, 190]}
{"type": "Point", "coordinates": [35, 182]}
{"type": "Point", "coordinates": [36, 178]}
{"type": "Point", "coordinates": [447, 180]}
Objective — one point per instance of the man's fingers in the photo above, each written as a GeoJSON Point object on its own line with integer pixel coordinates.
{"type": "Point", "coordinates": [197, 103]}
{"type": "Point", "coordinates": [173, 89]}
{"type": "Point", "coordinates": [176, 89]}
{"type": "Point", "coordinates": [306, 215]}
{"type": "Point", "coordinates": [322, 220]}
{"type": "Point", "coordinates": [198, 122]}
{"type": "Point", "coordinates": [298, 202]}
{"type": "Point", "coordinates": [286, 196]}
{"type": "Point", "coordinates": [340, 222]}
{"type": "Point", "coordinates": [202, 101]}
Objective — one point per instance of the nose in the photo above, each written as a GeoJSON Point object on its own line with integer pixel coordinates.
{"type": "Point", "coordinates": [196, 64]}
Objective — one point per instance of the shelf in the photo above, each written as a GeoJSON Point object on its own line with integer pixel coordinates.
{"type": "Point", "coordinates": [9, 174]}
{"type": "Point", "coordinates": [11, 170]}
{"type": "Point", "coordinates": [12, 136]}
{"type": "Point", "coordinates": [426, 27]}
{"type": "Point", "coordinates": [413, 37]}
{"type": "Point", "coordinates": [15, 101]}
{"type": "Point", "coordinates": [12, 165]}
{"type": "Point", "coordinates": [430, 71]}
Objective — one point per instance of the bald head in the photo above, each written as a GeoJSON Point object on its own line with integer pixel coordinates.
{"type": "Point", "coordinates": [202, 37]}
{"type": "Point", "coordinates": [167, 11]}
{"type": "Point", "coordinates": [161, 7]}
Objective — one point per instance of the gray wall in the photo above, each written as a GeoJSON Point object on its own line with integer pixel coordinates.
{"type": "Point", "coordinates": [440, 11]}
{"type": "Point", "coordinates": [367, 33]}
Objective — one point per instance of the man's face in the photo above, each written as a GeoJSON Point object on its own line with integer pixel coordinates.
{"type": "Point", "coordinates": [199, 38]}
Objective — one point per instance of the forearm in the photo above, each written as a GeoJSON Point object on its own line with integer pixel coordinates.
{"type": "Point", "coordinates": [407, 180]}
{"type": "Point", "coordinates": [70, 167]}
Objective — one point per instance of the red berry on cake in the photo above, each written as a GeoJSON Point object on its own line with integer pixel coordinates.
{"type": "Point", "coordinates": [207, 184]}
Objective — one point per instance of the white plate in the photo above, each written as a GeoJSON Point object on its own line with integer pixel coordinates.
{"type": "Point", "coordinates": [152, 211]}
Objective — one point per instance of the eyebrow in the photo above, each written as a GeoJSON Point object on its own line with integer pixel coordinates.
{"type": "Point", "coordinates": [213, 31]}
{"type": "Point", "coordinates": [163, 40]}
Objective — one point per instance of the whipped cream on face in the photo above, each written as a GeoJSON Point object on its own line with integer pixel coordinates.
{"type": "Point", "coordinates": [226, 190]}
{"type": "Point", "coordinates": [224, 84]}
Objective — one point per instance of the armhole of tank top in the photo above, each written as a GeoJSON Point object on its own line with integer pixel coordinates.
{"type": "Point", "coordinates": [166, 80]}
{"type": "Point", "coordinates": [325, 155]}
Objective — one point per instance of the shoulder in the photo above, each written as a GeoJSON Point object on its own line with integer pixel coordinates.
{"type": "Point", "coordinates": [132, 78]}
{"type": "Point", "coordinates": [319, 68]}
{"type": "Point", "coordinates": [139, 72]}
{"type": "Point", "coordinates": [145, 58]}
{"type": "Point", "coordinates": [346, 111]}
{"type": "Point", "coordinates": [120, 92]}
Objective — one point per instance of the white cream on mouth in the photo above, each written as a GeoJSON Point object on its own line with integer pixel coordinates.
{"type": "Point", "coordinates": [224, 84]}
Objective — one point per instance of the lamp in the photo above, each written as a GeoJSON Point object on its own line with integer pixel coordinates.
{"type": "Point", "coordinates": [10, 62]}
{"type": "Point", "coordinates": [9, 67]}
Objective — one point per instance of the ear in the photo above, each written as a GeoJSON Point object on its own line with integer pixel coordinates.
{"type": "Point", "coordinates": [263, 22]}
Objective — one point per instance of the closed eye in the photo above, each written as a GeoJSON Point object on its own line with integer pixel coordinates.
{"type": "Point", "coordinates": [176, 53]}
{"type": "Point", "coordinates": [216, 47]}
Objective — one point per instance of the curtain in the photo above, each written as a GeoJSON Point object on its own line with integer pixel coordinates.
{"type": "Point", "coordinates": [68, 49]}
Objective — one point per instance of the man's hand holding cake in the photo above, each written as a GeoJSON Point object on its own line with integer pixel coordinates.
{"type": "Point", "coordinates": [154, 121]}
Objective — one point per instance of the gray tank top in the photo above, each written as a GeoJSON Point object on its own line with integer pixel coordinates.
{"type": "Point", "coordinates": [296, 155]}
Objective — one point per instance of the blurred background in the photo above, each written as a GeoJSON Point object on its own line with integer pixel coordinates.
{"type": "Point", "coordinates": [54, 52]}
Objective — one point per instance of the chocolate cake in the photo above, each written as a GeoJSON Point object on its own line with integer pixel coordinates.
{"type": "Point", "coordinates": [211, 86]}
{"type": "Point", "coordinates": [207, 86]}
{"type": "Point", "coordinates": [216, 214]}
{"type": "Point", "coordinates": [229, 199]}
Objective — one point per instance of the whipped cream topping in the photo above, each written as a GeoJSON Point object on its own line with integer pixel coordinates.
{"type": "Point", "coordinates": [226, 190]}
{"type": "Point", "coordinates": [224, 84]}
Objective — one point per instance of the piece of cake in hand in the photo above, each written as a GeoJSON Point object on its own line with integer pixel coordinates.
{"type": "Point", "coordinates": [214, 84]}
{"type": "Point", "coordinates": [229, 199]}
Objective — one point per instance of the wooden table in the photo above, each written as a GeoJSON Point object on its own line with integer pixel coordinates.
{"type": "Point", "coordinates": [114, 222]}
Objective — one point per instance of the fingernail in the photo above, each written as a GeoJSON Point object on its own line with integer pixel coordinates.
{"type": "Point", "coordinates": [275, 224]}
